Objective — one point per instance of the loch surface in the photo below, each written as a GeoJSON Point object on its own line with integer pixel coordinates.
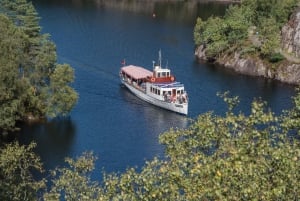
{"type": "Point", "coordinates": [119, 128]}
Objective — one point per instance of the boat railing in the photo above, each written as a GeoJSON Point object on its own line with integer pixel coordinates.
{"type": "Point", "coordinates": [168, 85]}
{"type": "Point", "coordinates": [178, 99]}
{"type": "Point", "coordinates": [141, 87]}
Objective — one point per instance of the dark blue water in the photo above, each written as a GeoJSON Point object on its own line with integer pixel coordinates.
{"type": "Point", "coordinates": [108, 120]}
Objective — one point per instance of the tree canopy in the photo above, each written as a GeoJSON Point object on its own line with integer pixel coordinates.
{"type": "Point", "coordinates": [261, 19]}
{"type": "Point", "coordinates": [17, 163]}
{"type": "Point", "coordinates": [12, 46]}
{"type": "Point", "coordinates": [32, 83]}
{"type": "Point", "coordinates": [233, 156]}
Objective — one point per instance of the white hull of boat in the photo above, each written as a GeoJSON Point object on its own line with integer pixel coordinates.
{"type": "Point", "coordinates": [175, 107]}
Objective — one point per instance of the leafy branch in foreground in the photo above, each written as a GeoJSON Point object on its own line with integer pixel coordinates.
{"type": "Point", "coordinates": [237, 156]}
{"type": "Point", "coordinates": [17, 162]}
{"type": "Point", "coordinates": [230, 157]}
{"type": "Point", "coordinates": [73, 182]}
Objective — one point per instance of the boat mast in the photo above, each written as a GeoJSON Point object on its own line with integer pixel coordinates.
{"type": "Point", "coordinates": [159, 58]}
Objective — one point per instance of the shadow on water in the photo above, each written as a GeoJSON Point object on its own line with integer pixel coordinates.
{"type": "Point", "coordinates": [247, 88]}
{"type": "Point", "coordinates": [54, 139]}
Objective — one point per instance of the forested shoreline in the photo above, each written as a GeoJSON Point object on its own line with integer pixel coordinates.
{"type": "Point", "coordinates": [232, 156]}
{"type": "Point", "coordinates": [32, 84]}
{"type": "Point", "coordinates": [251, 39]}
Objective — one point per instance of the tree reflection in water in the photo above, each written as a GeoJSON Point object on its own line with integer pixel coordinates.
{"type": "Point", "coordinates": [56, 134]}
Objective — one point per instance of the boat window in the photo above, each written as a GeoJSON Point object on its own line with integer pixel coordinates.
{"type": "Point", "coordinates": [174, 92]}
{"type": "Point", "coordinates": [158, 74]}
{"type": "Point", "coordinates": [168, 74]}
{"type": "Point", "coordinates": [164, 74]}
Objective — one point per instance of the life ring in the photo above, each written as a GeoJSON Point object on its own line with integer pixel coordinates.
{"type": "Point", "coordinates": [172, 78]}
{"type": "Point", "coordinates": [152, 79]}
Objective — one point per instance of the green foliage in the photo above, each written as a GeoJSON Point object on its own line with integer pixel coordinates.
{"type": "Point", "coordinates": [16, 165]}
{"type": "Point", "coordinates": [269, 36]}
{"type": "Point", "coordinates": [238, 20]}
{"type": "Point", "coordinates": [23, 15]}
{"type": "Point", "coordinates": [230, 157]}
{"type": "Point", "coordinates": [199, 28]}
{"type": "Point", "coordinates": [11, 45]}
{"type": "Point", "coordinates": [217, 34]}
{"type": "Point", "coordinates": [276, 57]}
{"type": "Point", "coordinates": [213, 35]}
{"type": "Point", "coordinates": [248, 50]}
{"type": "Point", "coordinates": [291, 118]}
{"type": "Point", "coordinates": [62, 97]}
{"type": "Point", "coordinates": [237, 156]}
{"type": "Point", "coordinates": [73, 182]}
{"type": "Point", "coordinates": [30, 75]}
{"type": "Point", "coordinates": [279, 9]}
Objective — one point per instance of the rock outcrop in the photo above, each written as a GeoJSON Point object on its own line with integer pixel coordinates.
{"type": "Point", "coordinates": [291, 35]}
{"type": "Point", "coordinates": [288, 71]}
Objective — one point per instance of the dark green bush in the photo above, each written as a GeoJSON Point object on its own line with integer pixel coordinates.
{"type": "Point", "coordinates": [276, 57]}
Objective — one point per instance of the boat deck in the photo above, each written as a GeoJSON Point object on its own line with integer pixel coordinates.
{"type": "Point", "coordinates": [169, 85]}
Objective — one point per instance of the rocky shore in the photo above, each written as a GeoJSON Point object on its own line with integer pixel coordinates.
{"type": "Point", "coordinates": [287, 71]}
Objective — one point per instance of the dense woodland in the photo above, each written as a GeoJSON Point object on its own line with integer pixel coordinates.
{"type": "Point", "coordinates": [32, 84]}
{"type": "Point", "coordinates": [252, 28]}
{"type": "Point", "coordinates": [234, 156]}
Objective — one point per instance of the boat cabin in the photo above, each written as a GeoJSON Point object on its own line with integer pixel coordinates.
{"type": "Point", "coordinates": [169, 92]}
{"type": "Point", "coordinates": [161, 75]}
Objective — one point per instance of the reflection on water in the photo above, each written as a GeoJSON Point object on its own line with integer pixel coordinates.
{"type": "Point", "coordinates": [54, 139]}
{"type": "Point", "coordinates": [178, 11]}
